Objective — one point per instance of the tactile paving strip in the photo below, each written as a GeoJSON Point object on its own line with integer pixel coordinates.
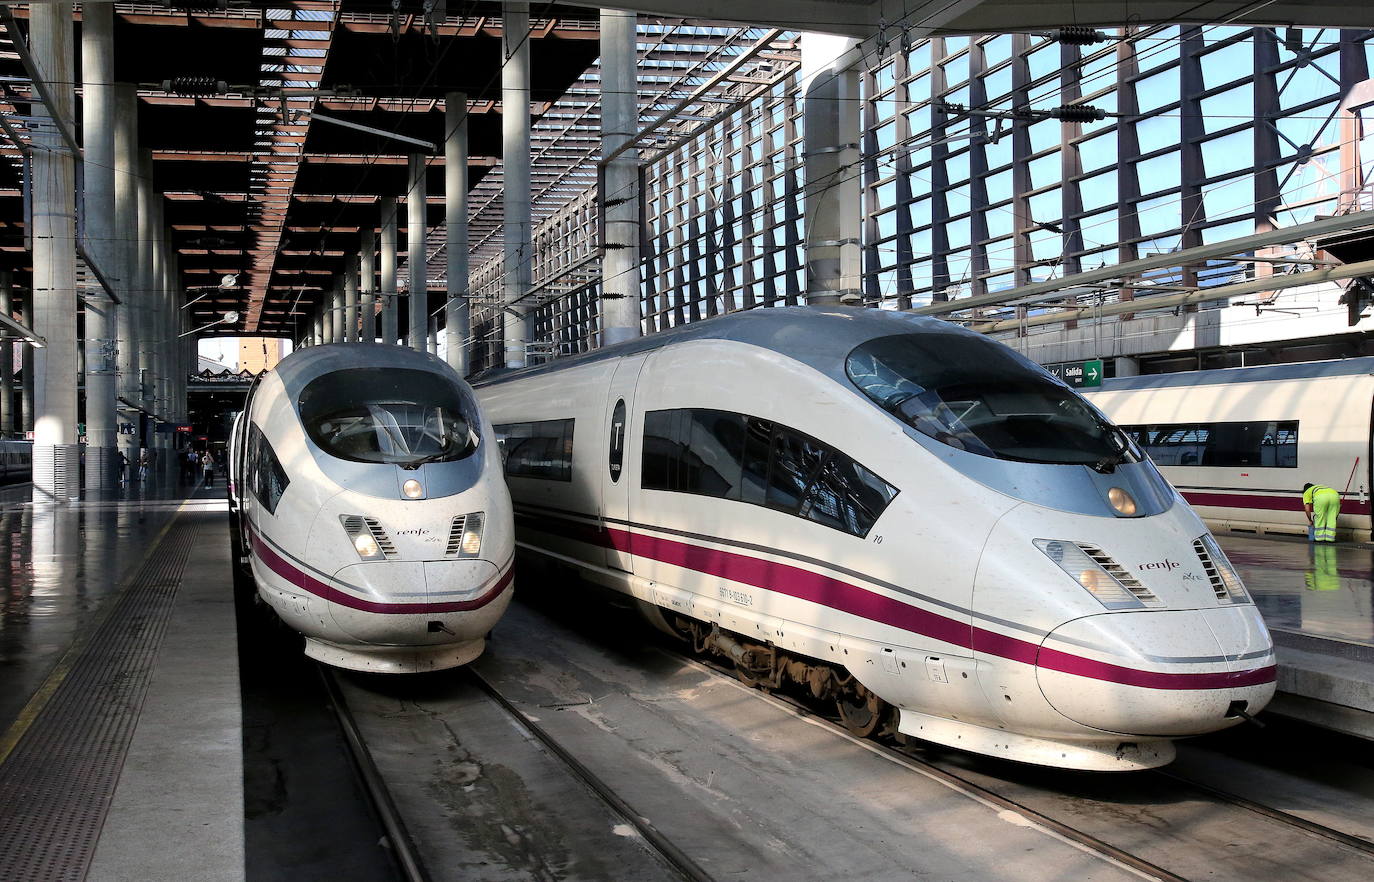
{"type": "Point", "coordinates": [57, 784]}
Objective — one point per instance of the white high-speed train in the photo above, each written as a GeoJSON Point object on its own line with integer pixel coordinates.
{"type": "Point", "coordinates": [897, 513]}
{"type": "Point", "coordinates": [1240, 443]}
{"type": "Point", "coordinates": [367, 490]}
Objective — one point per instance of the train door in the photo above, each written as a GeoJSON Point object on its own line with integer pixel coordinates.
{"type": "Point", "coordinates": [616, 479]}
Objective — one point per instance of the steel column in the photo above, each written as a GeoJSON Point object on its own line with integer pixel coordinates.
{"type": "Point", "coordinates": [390, 331]}
{"type": "Point", "coordinates": [6, 360]}
{"type": "Point", "coordinates": [123, 266]}
{"type": "Point", "coordinates": [458, 317]}
{"type": "Point", "coordinates": [56, 456]}
{"type": "Point", "coordinates": [97, 132]}
{"type": "Point", "coordinates": [367, 285]}
{"type": "Point", "coordinates": [620, 319]}
{"type": "Point", "coordinates": [831, 160]}
{"type": "Point", "coordinates": [417, 325]}
{"type": "Point", "coordinates": [515, 170]}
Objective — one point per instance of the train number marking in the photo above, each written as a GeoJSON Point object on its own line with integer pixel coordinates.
{"type": "Point", "coordinates": [743, 598]}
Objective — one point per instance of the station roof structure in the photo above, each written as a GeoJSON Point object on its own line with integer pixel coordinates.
{"type": "Point", "coordinates": [239, 102]}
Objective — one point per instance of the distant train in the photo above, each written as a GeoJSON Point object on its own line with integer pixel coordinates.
{"type": "Point", "coordinates": [16, 461]}
{"type": "Point", "coordinates": [367, 490]}
{"type": "Point", "coordinates": [1240, 443]}
{"type": "Point", "coordinates": [898, 515]}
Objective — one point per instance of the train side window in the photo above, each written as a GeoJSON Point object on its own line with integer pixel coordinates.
{"type": "Point", "coordinates": [268, 480]}
{"type": "Point", "coordinates": [796, 459]}
{"type": "Point", "coordinates": [847, 496]}
{"type": "Point", "coordinates": [541, 449]}
{"type": "Point", "coordinates": [758, 442]}
{"type": "Point", "coordinates": [693, 451]}
{"type": "Point", "coordinates": [1258, 444]}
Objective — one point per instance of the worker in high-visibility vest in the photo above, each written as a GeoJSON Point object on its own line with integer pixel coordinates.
{"type": "Point", "coordinates": [1322, 505]}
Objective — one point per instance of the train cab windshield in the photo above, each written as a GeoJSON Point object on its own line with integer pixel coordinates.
{"type": "Point", "coordinates": [977, 395]}
{"type": "Point", "coordinates": [389, 415]}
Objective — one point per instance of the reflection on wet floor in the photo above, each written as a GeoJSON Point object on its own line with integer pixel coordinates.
{"type": "Point", "coordinates": [1316, 588]}
{"type": "Point", "coordinates": [59, 563]}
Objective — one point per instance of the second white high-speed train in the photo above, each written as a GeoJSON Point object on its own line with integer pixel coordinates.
{"type": "Point", "coordinates": [895, 513]}
{"type": "Point", "coordinates": [1240, 443]}
{"type": "Point", "coordinates": [367, 490]}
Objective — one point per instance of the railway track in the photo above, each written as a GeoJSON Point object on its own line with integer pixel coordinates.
{"type": "Point", "coordinates": [403, 848]}
{"type": "Point", "coordinates": [990, 795]}
{"type": "Point", "coordinates": [669, 852]}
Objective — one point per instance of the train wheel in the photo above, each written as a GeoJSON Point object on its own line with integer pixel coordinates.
{"type": "Point", "coordinates": [861, 712]}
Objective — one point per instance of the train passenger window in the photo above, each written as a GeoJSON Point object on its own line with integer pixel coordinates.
{"type": "Point", "coordinates": [693, 451]}
{"type": "Point", "coordinates": [392, 415]}
{"type": "Point", "coordinates": [796, 459]}
{"type": "Point", "coordinates": [268, 479]}
{"type": "Point", "coordinates": [1259, 444]}
{"type": "Point", "coordinates": [847, 496]}
{"type": "Point", "coordinates": [746, 459]}
{"type": "Point", "coordinates": [540, 449]}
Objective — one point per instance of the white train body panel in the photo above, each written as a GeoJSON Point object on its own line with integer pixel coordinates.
{"type": "Point", "coordinates": [944, 607]}
{"type": "Point", "coordinates": [1331, 404]}
{"type": "Point", "coordinates": [421, 603]}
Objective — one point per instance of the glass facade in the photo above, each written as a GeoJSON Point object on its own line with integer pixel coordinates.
{"type": "Point", "coordinates": [1209, 133]}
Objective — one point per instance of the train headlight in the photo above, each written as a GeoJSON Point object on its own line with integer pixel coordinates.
{"type": "Point", "coordinates": [1088, 570]}
{"type": "Point", "coordinates": [1122, 502]}
{"type": "Point", "coordinates": [412, 489]}
{"type": "Point", "coordinates": [363, 536]}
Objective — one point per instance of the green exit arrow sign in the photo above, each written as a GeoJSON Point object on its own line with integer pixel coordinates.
{"type": "Point", "coordinates": [1078, 374]}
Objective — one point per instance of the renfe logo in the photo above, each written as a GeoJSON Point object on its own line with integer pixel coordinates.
{"type": "Point", "coordinates": [1165, 565]}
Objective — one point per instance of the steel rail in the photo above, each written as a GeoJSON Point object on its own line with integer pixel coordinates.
{"type": "Point", "coordinates": [670, 852]}
{"type": "Point", "coordinates": [1087, 841]}
{"type": "Point", "coordinates": [402, 846]}
{"type": "Point", "coordinates": [1358, 843]}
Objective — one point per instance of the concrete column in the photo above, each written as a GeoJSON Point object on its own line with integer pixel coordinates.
{"type": "Point", "coordinates": [26, 390]}
{"type": "Point", "coordinates": [390, 331]}
{"type": "Point", "coordinates": [319, 324]}
{"type": "Point", "coordinates": [56, 457]}
{"type": "Point", "coordinates": [830, 151]}
{"type": "Point", "coordinates": [350, 281]}
{"type": "Point", "coordinates": [98, 175]}
{"type": "Point", "coordinates": [515, 169]}
{"type": "Point", "coordinates": [432, 335]}
{"type": "Point", "coordinates": [418, 322]}
{"type": "Point", "coordinates": [158, 318]}
{"type": "Point", "coordinates": [124, 262]}
{"type": "Point", "coordinates": [143, 274]}
{"type": "Point", "coordinates": [457, 317]}
{"type": "Point", "coordinates": [620, 201]}
{"type": "Point", "coordinates": [7, 360]}
{"type": "Point", "coordinates": [1127, 366]}
{"type": "Point", "coordinates": [367, 284]}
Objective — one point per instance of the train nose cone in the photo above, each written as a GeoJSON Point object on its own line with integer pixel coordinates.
{"type": "Point", "coordinates": [1158, 673]}
{"type": "Point", "coordinates": [396, 602]}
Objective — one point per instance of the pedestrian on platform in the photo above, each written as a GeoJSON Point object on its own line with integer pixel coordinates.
{"type": "Point", "coordinates": [1323, 506]}
{"type": "Point", "coordinates": [123, 468]}
{"type": "Point", "coordinates": [207, 462]}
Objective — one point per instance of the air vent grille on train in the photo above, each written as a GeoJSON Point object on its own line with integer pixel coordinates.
{"type": "Point", "coordinates": [1119, 573]}
{"type": "Point", "coordinates": [1226, 584]}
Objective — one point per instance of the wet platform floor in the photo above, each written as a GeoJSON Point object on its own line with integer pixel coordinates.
{"type": "Point", "coordinates": [61, 563]}
{"type": "Point", "coordinates": [1316, 589]}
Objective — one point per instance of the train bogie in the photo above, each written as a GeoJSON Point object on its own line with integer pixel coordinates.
{"type": "Point", "coordinates": [877, 505]}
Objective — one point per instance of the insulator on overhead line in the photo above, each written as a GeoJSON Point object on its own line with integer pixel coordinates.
{"type": "Point", "coordinates": [1078, 113]}
{"type": "Point", "coordinates": [1080, 36]}
{"type": "Point", "coordinates": [195, 85]}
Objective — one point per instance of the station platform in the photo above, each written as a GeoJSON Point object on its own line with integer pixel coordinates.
{"type": "Point", "coordinates": [1318, 601]}
{"type": "Point", "coordinates": [121, 752]}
